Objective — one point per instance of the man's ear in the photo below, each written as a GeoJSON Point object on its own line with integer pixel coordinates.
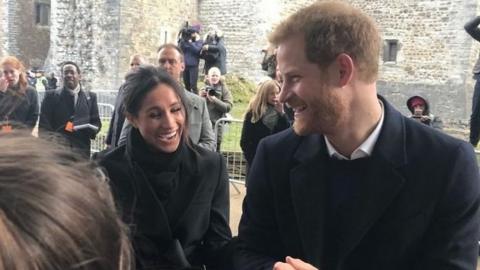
{"type": "Point", "coordinates": [131, 119]}
{"type": "Point", "coordinates": [345, 68]}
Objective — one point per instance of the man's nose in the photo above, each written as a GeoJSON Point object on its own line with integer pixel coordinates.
{"type": "Point", "coordinates": [284, 94]}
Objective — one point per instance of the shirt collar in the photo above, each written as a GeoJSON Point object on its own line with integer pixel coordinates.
{"type": "Point", "coordinates": [365, 149]}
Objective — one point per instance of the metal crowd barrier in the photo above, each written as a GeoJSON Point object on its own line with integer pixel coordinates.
{"type": "Point", "coordinates": [230, 148]}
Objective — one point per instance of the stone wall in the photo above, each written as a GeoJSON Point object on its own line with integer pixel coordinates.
{"type": "Point", "coordinates": [246, 25]}
{"type": "Point", "coordinates": [146, 24]}
{"type": "Point", "coordinates": [100, 35]}
{"type": "Point", "coordinates": [434, 56]}
{"type": "Point", "coordinates": [434, 59]}
{"type": "Point", "coordinates": [26, 40]}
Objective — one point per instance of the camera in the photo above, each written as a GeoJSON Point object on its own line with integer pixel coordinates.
{"type": "Point", "coordinates": [210, 90]}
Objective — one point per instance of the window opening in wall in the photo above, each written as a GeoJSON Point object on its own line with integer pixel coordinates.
{"type": "Point", "coordinates": [42, 13]}
{"type": "Point", "coordinates": [390, 51]}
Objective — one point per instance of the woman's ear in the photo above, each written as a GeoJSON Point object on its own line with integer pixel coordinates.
{"type": "Point", "coordinates": [131, 119]}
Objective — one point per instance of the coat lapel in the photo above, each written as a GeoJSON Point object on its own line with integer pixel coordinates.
{"type": "Point", "coordinates": [308, 196]}
{"type": "Point", "coordinates": [382, 184]}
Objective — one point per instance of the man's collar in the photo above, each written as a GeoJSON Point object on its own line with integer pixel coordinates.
{"type": "Point", "coordinates": [365, 149]}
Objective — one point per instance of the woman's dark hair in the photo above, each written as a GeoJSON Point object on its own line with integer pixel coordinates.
{"type": "Point", "coordinates": [146, 78]}
{"type": "Point", "coordinates": [56, 210]}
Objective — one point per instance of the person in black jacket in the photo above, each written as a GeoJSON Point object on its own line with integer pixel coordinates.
{"type": "Point", "coordinates": [71, 111]}
{"type": "Point", "coordinates": [18, 100]}
{"type": "Point", "coordinates": [213, 51]}
{"type": "Point", "coordinates": [173, 194]}
{"type": "Point", "coordinates": [264, 117]}
{"type": "Point", "coordinates": [118, 116]}
{"type": "Point", "coordinates": [472, 29]}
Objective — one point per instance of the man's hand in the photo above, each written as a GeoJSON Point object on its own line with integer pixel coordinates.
{"type": "Point", "coordinates": [293, 264]}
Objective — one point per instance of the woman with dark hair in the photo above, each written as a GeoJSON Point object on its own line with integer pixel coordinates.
{"type": "Point", "coordinates": [58, 212]}
{"type": "Point", "coordinates": [173, 194]}
{"type": "Point", "coordinates": [18, 100]}
{"type": "Point", "coordinates": [264, 117]}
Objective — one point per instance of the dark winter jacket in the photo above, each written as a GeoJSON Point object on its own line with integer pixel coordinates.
{"type": "Point", "coordinates": [176, 204]}
{"type": "Point", "coordinates": [216, 46]}
{"type": "Point", "coordinates": [19, 110]}
{"type": "Point", "coordinates": [191, 52]}
{"type": "Point", "coordinates": [252, 133]}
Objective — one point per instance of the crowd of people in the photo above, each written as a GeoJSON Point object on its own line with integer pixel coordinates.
{"type": "Point", "coordinates": [337, 177]}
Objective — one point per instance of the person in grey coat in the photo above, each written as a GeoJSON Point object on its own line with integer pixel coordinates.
{"type": "Point", "coordinates": [170, 58]}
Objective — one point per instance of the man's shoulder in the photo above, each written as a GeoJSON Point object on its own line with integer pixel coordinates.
{"type": "Point", "coordinates": [194, 100]}
{"type": "Point", "coordinates": [283, 141]}
{"type": "Point", "coordinates": [430, 141]}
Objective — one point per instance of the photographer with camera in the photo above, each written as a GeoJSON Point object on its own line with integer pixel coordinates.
{"type": "Point", "coordinates": [191, 45]}
{"type": "Point", "coordinates": [420, 110]}
{"type": "Point", "coordinates": [219, 100]}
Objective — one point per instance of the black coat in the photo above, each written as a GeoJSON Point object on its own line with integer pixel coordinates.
{"type": "Point", "coordinates": [116, 122]}
{"type": "Point", "coordinates": [21, 110]}
{"type": "Point", "coordinates": [216, 46]}
{"type": "Point", "coordinates": [57, 109]}
{"type": "Point", "coordinates": [419, 208]}
{"type": "Point", "coordinates": [252, 133]}
{"type": "Point", "coordinates": [202, 223]}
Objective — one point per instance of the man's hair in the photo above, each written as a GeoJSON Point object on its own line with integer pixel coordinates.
{"type": "Point", "coordinates": [71, 63]}
{"type": "Point", "coordinates": [171, 46]}
{"type": "Point", "coordinates": [56, 210]}
{"type": "Point", "coordinates": [332, 28]}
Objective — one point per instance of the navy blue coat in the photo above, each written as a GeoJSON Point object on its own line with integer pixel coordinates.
{"type": "Point", "coordinates": [419, 210]}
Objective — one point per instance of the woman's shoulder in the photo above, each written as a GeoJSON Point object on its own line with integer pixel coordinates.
{"type": "Point", "coordinates": [30, 91]}
{"type": "Point", "coordinates": [111, 157]}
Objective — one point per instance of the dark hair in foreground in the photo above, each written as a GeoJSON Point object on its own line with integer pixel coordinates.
{"type": "Point", "coordinates": [142, 81]}
{"type": "Point", "coordinates": [56, 210]}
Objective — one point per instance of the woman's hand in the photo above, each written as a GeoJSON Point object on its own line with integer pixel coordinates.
{"type": "Point", "coordinates": [3, 84]}
{"type": "Point", "coordinates": [203, 93]}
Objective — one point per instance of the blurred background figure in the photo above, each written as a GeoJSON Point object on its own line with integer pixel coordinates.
{"type": "Point", "coordinates": [41, 82]}
{"type": "Point", "coordinates": [52, 81]}
{"type": "Point", "coordinates": [420, 109]}
{"type": "Point", "coordinates": [269, 61]}
{"type": "Point", "coordinates": [191, 45]}
{"type": "Point", "coordinates": [264, 117]}
{"type": "Point", "coordinates": [31, 79]}
{"type": "Point", "coordinates": [56, 211]}
{"type": "Point", "coordinates": [472, 29]}
{"type": "Point", "coordinates": [118, 116]}
{"type": "Point", "coordinates": [18, 100]}
{"type": "Point", "coordinates": [213, 51]}
{"type": "Point", "coordinates": [173, 193]}
{"type": "Point", "coordinates": [219, 100]}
